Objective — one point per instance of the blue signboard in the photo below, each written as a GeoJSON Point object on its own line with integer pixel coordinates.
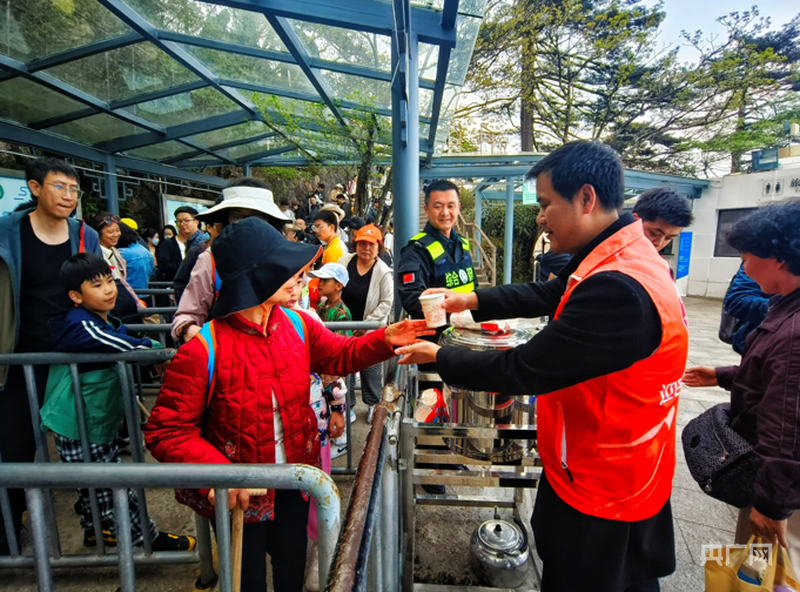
{"type": "Point", "coordinates": [684, 255]}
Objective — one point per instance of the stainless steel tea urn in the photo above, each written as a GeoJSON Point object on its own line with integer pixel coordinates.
{"type": "Point", "coordinates": [489, 409]}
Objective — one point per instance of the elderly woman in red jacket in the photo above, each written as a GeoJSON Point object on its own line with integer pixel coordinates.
{"type": "Point", "coordinates": [258, 410]}
{"type": "Point", "coordinates": [765, 386]}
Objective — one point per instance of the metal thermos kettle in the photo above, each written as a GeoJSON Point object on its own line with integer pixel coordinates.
{"type": "Point", "coordinates": [499, 553]}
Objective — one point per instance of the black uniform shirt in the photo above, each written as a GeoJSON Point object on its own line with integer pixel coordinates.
{"type": "Point", "coordinates": [416, 271]}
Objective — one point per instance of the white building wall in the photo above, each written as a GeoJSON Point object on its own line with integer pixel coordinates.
{"type": "Point", "coordinates": [709, 275]}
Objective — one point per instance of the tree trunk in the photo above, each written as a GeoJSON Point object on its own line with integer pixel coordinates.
{"type": "Point", "coordinates": [526, 127]}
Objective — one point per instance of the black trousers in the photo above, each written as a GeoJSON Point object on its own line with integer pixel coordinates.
{"type": "Point", "coordinates": [582, 552]}
{"type": "Point", "coordinates": [284, 539]}
{"type": "Point", "coordinates": [17, 444]}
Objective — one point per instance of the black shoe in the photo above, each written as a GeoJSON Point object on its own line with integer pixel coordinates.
{"type": "Point", "coordinates": [174, 542]}
{"type": "Point", "coordinates": [434, 489]}
{"type": "Point", "coordinates": [89, 540]}
{"type": "Point", "coordinates": [77, 507]}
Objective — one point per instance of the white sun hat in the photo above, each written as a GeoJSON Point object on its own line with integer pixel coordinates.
{"type": "Point", "coordinates": [253, 198]}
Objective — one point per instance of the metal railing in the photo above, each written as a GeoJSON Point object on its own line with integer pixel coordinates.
{"type": "Point", "coordinates": [43, 515]}
{"type": "Point", "coordinates": [119, 478]}
{"type": "Point", "coordinates": [373, 514]}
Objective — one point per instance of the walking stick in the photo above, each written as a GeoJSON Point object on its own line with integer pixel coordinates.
{"type": "Point", "coordinates": [237, 530]}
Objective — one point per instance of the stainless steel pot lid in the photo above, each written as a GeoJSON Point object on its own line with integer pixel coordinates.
{"type": "Point", "coordinates": [479, 340]}
{"type": "Point", "coordinates": [499, 535]}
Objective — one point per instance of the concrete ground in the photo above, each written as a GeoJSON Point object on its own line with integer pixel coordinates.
{"type": "Point", "coordinates": [442, 532]}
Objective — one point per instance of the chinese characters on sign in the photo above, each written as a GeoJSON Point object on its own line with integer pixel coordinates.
{"type": "Point", "coordinates": [720, 555]}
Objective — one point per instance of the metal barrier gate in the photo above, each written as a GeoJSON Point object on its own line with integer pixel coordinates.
{"type": "Point", "coordinates": [119, 478]}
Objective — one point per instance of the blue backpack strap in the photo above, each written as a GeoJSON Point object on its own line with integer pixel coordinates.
{"type": "Point", "coordinates": [298, 323]}
{"type": "Point", "coordinates": [208, 337]}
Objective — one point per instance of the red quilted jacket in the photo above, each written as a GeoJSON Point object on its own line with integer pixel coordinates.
{"type": "Point", "coordinates": [237, 425]}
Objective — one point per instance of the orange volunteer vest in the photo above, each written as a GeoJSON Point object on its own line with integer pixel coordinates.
{"type": "Point", "coordinates": [608, 444]}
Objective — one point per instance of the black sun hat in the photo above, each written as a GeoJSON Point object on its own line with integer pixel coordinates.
{"type": "Point", "coordinates": [253, 261]}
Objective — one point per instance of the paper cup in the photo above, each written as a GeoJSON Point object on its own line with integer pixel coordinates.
{"type": "Point", "coordinates": [433, 310]}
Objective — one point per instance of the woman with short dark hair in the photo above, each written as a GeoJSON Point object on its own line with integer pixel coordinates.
{"type": "Point", "coordinates": [765, 387]}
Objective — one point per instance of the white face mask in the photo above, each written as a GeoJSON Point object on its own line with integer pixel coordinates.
{"type": "Point", "coordinates": [154, 240]}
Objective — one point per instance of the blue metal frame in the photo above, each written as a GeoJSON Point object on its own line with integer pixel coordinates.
{"type": "Point", "coordinates": [84, 51]}
{"type": "Point", "coordinates": [51, 142]}
{"type": "Point", "coordinates": [60, 86]}
{"type": "Point", "coordinates": [362, 15]}
{"type": "Point", "coordinates": [295, 46]}
{"type": "Point", "coordinates": [373, 16]}
{"type": "Point", "coordinates": [218, 147]}
{"type": "Point", "coordinates": [279, 56]}
{"type": "Point", "coordinates": [121, 104]}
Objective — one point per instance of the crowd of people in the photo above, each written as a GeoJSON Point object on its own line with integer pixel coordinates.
{"type": "Point", "coordinates": [257, 378]}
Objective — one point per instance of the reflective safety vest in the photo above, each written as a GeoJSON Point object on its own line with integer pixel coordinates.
{"type": "Point", "coordinates": [608, 444]}
{"type": "Point", "coordinates": [459, 277]}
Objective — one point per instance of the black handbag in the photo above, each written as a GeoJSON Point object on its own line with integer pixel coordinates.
{"type": "Point", "coordinates": [722, 462]}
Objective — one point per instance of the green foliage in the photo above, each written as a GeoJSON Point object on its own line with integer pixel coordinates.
{"type": "Point", "coordinates": [569, 69]}
{"type": "Point", "coordinates": [526, 231]}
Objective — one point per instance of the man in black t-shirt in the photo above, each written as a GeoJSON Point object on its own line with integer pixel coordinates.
{"type": "Point", "coordinates": [34, 242]}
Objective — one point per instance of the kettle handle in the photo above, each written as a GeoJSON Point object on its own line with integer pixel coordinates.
{"type": "Point", "coordinates": [524, 531]}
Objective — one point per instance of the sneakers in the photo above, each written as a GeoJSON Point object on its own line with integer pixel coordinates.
{"type": "Point", "coordinates": [174, 542]}
{"type": "Point", "coordinates": [352, 416]}
{"type": "Point", "coordinates": [434, 489]}
{"type": "Point", "coordinates": [312, 570]}
{"type": "Point", "coordinates": [163, 542]}
{"type": "Point", "coordinates": [338, 446]}
{"type": "Point", "coordinates": [90, 540]}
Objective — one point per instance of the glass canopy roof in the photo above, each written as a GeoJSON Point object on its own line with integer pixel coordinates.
{"type": "Point", "coordinates": [260, 82]}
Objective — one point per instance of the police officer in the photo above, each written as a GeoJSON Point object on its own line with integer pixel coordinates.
{"type": "Point", "coordinates": [437, 257]}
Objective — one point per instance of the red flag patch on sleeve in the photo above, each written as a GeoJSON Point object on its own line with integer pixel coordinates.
{"type": "Point", "coordinates": [408, 278]}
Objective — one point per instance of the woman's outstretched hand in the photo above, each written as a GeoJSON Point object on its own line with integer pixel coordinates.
{"type": "Point", "coordinates": [700, 376]}
{"type": "Point", "coordinates": [406, 332]}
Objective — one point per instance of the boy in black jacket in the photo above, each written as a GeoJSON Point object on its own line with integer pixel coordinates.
{"type": "Point", "coordinates": [89, 328]}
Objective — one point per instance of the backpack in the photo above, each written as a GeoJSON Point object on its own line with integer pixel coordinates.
{"type": "Point", "coordinates": [208, 337]}
{"type": "Point", "coordinates": [728, 325]}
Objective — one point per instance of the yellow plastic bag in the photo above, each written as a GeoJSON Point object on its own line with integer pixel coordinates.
{"type": "Point", "coordinates": [721, 568]}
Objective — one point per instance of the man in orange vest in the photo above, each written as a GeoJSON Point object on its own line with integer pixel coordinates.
{"type": "Point", "coordinates": [608, 369]}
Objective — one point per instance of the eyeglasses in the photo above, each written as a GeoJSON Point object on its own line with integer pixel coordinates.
{"type": "Point", "coordinates": [317, 227]}
{"type": "Point", "coordinates": [65, 189]}
{"type": "Point", "coordinates": [108, 220]}
{"type": "Point", "coordinates": [184, 221]}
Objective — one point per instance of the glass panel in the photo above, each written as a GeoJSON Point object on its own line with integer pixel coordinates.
{"type": "Point", "coordinates": [346, 46]}
{"type": "Point", "coordinates": [161, 151]}
{"type": "Point", "coordinates": [25, 101]}
{"type": "Point", "coordinates": [185, 107]}
{"type": "Point", "coordinates": [202, 19]}
{"type": "Point", "coordinates": [253, 70]}
{"type": "Point", "coordinates": [472, 7]}
{"type": "Point", "coordinates": [315, 109]}
{"type": "Point", "coordinates": [449, 101]}
{"type": "Point", "coordinates": [124, 73]}
{"type": "Point", "coordinates": [359, 90]}
{"type": "Point", "coordinates": [425, 102]}
{"type": "Point", "coordinates": [252, 148]}
{"type": "Point", "coordinates": [435, 4]}
{"type": "Point", "coordinates": [428, 61]}
{"type": "Point", "coordinates": [230, 134]}
{"type": "Point", "coordinates": [97, 128]}
{"type": "Point", "coordinates": [466, 34]}
{"type": "Point", "coordinates": [31, 29]}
